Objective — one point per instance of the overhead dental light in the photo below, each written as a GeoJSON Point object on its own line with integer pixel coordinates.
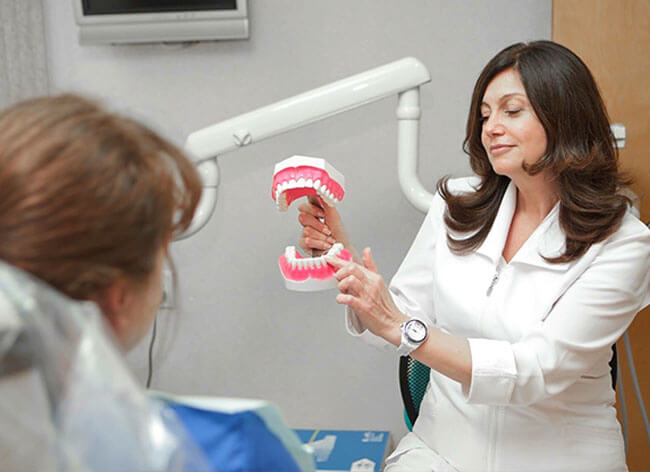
{"type": "Point", "coordinates": [402, 77]}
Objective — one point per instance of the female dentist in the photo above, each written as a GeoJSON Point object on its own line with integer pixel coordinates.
{"type": "Point", "coordinates": [518, 283]}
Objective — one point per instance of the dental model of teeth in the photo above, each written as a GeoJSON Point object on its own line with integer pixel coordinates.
{"type": "Point", "coordinates": [299, 176]}
{"type": "Point", "coordinates": [296, 177]}
{"type": "Point", "coordinates": [306, 274]}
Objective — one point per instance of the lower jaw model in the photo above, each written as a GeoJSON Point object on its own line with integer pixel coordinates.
{"type": "Point", "coordinates": [306, 274]}
{"type": "Point", "coordinates": [293, 178]}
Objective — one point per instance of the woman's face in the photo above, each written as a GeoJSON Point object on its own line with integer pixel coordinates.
{"type": "Point", "coordinates": [511, 134]}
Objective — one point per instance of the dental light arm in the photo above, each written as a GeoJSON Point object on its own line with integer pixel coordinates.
{"type": "Point", "coordinates": [402, 77]}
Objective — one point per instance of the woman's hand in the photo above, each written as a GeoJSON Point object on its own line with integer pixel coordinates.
{"type": "Point", "coordinates": [364, 291]}
{"type": "Point", "coordinates": [322, 227]}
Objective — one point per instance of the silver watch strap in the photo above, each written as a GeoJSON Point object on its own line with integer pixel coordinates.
{"type": "Point", "coordinates": [405, 347]}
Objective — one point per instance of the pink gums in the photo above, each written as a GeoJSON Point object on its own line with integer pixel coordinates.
{"type": "Point", "coordinates": [323, 272]}
{"type": "Point", "coordinates": [305, 172]}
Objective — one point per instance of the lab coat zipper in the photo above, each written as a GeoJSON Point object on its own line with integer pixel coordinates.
{"type": "Point", "coordinates": [489, 462]}
{"type": "Point", "coordinates": [494, 422]}
{"type": "Point", "coordinates": [497, 273]}
{"type": "Point", "coordinates": [494, 412]}
{"type": "Point", "coordinates": [495, 279]}
{"type": "Point", "coordinates": [486, 310]}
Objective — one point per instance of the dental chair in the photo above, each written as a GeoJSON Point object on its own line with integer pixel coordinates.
{"type": "Point", "coordinates": [414, 380]}
{"type": "Point", "coordinates": [68, 401]}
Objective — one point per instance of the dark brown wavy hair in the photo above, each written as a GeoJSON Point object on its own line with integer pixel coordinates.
{"type": "Point", "coordinates": [580, 154]}
{"type": "Point", "coordinates": [86, 196]}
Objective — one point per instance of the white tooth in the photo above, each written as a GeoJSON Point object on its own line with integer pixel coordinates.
{"type": "Point", "coordinates": [323, 188]}
{"type": "Point", "coordinates": [309, 183]}
{"type": "Point", "coordinates": [310, 263]}
{"type": "Point", "coordinates": [317, 184]}
{"type": "Point", "coordinates": [317, 262]}
{"type": "Point", "coordinates": [335, 200]}
{"type": "Point", "coordinates": [285, 185]}
{"type": "Point", "coordinates": [336, 248]}
{"type": "Point", "coordinates": [293, 183]}
{"type": "Point", "coordinates": [301, 182]}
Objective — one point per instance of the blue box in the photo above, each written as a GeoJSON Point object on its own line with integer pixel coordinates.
{"type": "Point", "coordinates": [347, 451]}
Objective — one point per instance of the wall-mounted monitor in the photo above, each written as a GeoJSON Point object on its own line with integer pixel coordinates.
{"type": "Point", "coordinates": [147, 21]}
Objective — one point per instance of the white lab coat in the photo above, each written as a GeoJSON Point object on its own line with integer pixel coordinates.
{"type": "Point", "coordinates": [540, 397]}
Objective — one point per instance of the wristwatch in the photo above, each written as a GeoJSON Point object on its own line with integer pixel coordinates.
{"type": "Point", "coordinates": [414, 333]}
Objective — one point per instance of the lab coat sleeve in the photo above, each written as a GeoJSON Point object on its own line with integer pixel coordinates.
{"type": "Point", "coordinates": [590, 315]}
{"type": "Point", "coordinates": [412, 285]}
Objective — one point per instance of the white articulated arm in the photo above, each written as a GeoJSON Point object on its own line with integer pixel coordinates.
{"type": "Point", "coordinates": [401, 77]}
{"type": "Point", "coordinates": [408, 116]}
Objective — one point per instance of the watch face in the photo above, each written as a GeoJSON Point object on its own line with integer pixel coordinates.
{"type": "Point", "coordinates": [415, 330]}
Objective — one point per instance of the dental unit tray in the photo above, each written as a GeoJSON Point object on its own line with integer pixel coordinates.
{"type": "Point", "coordinates": [296, 177]}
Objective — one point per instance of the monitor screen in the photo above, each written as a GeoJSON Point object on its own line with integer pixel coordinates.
{"type": "Point", "coordinates": [114, 7]}
{"type": "Point", "coordinates": [151, 21]}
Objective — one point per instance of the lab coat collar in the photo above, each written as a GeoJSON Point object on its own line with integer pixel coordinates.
{"type": "Point", "coordinates": [548, 239]}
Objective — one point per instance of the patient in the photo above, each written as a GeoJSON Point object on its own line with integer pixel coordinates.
{"type": "Point", "coordinates": [89, 202]}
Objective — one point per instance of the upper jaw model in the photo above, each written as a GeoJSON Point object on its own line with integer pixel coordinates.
{"type": "Point", "coordinates": [293, 178]}
{"type": "Point", "coordinates": [299, 176]}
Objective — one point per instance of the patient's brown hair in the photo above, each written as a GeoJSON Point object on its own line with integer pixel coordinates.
{"type": "Point", "coordinates": [87, 196]}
